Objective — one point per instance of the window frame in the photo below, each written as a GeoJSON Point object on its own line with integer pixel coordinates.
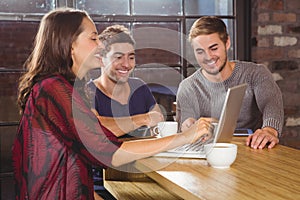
{"type": "Point", "coordinates": [242, 28]}
{"type": "Point", "coordinates": [241, 16]}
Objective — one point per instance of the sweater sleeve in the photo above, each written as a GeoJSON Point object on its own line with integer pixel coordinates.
{"type": "Point", "coordinates": [185, 107]}
{"type": "Point", "coordinates": [68, 117]}
{"type": "Point", "coordinates": [269, 99]}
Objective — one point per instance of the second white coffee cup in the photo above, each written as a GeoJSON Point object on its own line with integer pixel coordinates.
{"type": "Point", "coordinates": [220, 155]}
{"type": "Point", "coordinates": [165, 128]}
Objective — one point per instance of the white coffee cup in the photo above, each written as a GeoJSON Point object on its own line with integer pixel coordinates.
{"type": "Point", "coordinates": [220, 155]}
{"type": "Point", "coordinates": [165, 128]}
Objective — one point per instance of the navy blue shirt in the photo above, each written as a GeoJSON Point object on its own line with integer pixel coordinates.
{"type": "Point", "coordinates": [140, 100]}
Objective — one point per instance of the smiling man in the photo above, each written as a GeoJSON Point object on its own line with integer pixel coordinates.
{"type": "Point", "coordinates": [122, 103]}
{"type": "Point", "coordinates": [203, 93]}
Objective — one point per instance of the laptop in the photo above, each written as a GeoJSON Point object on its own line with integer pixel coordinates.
{"type": "Point", "coordinates": [223, 131]}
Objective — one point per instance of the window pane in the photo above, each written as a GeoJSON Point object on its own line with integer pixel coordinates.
{"type": "Point", "coordinates": [189, 51]}
{"type": "Point", "coordinates": [157, 43]}
{"type": "Point", "coordinates": [8, 92]}
{"type": "Point", "coordinates": [104, 7]}
{"type": "Point", "coordinates": [26, 6]}
{"type": "Point", "coordinates": [209, 7]}
{"type": "Point", "coordinates": [16, 43]}
{"type": "Point", "coordinates": [102, 25]}
{"type": "Point", "coordinates": [157, 7]}
{"type": "Point", "coordinates": [7, 136]}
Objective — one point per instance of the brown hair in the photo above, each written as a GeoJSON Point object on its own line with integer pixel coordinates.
{"type": "Point", "coordinates": [115, 34]}
{"type": "Point", "coordinates": [208, 25]}
{"type": "Point", "coordinates": [52, 49]}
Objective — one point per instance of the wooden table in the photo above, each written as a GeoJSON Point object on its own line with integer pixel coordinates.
{"type": "Point", "coordinates": [256, 174]}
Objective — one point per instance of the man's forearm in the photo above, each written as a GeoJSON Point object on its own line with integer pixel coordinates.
{"type": "Point", "coordinates": [122, 125]}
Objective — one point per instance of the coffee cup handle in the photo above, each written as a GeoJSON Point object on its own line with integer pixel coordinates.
{"type": "Point", "coordinates": [155, 131]}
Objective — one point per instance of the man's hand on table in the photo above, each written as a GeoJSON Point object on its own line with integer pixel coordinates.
{"type": "Point", "coordinates": [266, 136]}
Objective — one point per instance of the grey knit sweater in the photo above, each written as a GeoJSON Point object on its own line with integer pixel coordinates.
{"type": "Point", "coordinates": [262, 105]}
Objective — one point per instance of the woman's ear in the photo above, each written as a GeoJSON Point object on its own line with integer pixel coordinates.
{"type": "Point", "coordinates": [72, 49]}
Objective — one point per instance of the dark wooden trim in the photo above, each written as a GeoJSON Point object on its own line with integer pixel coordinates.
{"type": "Point", "coordinates": [243, 30]}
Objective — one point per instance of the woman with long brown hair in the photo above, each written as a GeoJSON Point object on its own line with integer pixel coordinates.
{"type": "Point", "coordinates": [59, 137]}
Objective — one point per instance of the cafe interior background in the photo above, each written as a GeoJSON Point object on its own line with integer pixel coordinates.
{"type": "Point", "coordinates": [262, 31]}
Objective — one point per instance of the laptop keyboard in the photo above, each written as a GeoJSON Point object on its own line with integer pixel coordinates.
{"type": "Point", "coordinates": [197, 147]}
{"type": "Point", "coordinates": [195, 150]}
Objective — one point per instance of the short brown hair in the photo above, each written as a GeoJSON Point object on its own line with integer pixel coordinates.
{"type": "Point", "coordinates": [115, 34]}
{"type": "Point", "coordinates": [208, 25]}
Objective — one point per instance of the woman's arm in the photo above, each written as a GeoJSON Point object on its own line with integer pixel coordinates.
{"type": "Point", "coordinates": [61, 111]}
{"type": "Point", "coordinates": [138, 149]}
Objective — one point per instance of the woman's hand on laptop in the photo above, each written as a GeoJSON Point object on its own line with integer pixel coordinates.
{"type": "Point", "coordinates": [188, 123]}
{"type": "Point", "coordinates": [262, 137]}
{"type": "Point", "coordinates": [201, 128]}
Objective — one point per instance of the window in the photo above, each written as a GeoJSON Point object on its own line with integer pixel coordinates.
{"type": "Point", "coordinates": [160, 31]}
{"type": "Point", "coordinates": [28, 7]}
{"type": "Point", "coordinates": [102, 7]}
{"type": "Point", "coordinates": [157, 7]}
{"type": "Point", "coordinates": [167, 17]}
{"type": "Point", "coordinates": [205, 7]}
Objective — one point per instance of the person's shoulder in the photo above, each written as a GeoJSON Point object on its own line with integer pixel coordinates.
{"type": "Point", "coordinates": [191, 79]}
{"type": "Point", "coordinates": [253, 71]}
{"type": "Point", "coordinates": [136, 82]}
{"type": "Point", "coordinates": [53, 81]}
{"type": "Point", "coordinates": [250, 65]}
{"type": "Point", "coordinates": [52, 84]}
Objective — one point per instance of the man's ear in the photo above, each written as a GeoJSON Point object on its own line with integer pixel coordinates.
{"type": "Point", "coordinates": [228, 43]}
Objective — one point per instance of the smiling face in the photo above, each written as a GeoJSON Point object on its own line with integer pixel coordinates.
{"type": "Point", "coordinates": [211, 53]}
{"type": "Point", "coordinates": [85, 49]}
{"type": "Point", "coordinates": [119, 62]}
